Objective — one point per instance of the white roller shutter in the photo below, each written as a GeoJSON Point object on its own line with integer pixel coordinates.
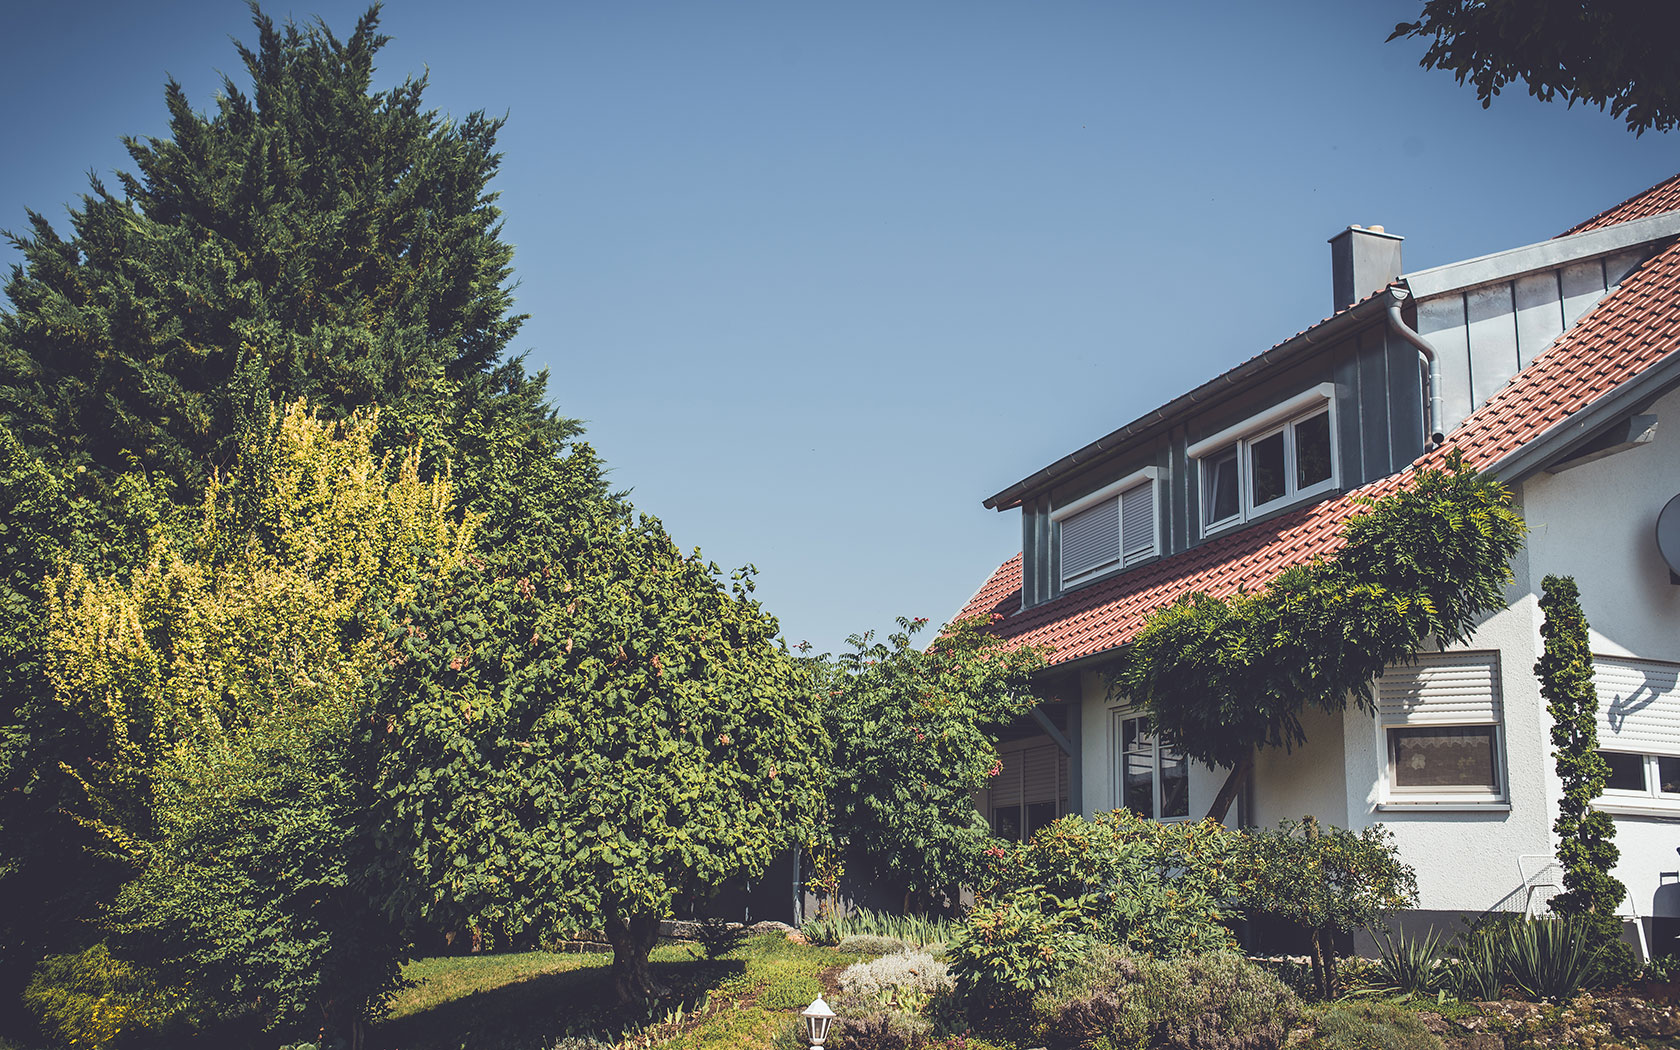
{"type": "Point", "coordinates": [1638, 705]}
{"type": "Point", "coordinates": [1137, 522]}
{"type": "Point", "coordinates": [1442, 689]}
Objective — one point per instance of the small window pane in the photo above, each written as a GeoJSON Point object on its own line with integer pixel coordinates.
{"type": "Point", "coordinates": [1006, 821]}
{"type": "Point", "coordinates": [1668, 775]}
{"type": "Point", "coordinates": [1135, 734]}
{"type": "Point", "coordinates": [1312, 450]}
{"type": "Point", "coordinates": [1175, 786]}
{"type": "Point", "coordinates": [1219, 485]}
{"type": "Point", "coordinates": [1627, 772]}
{"type": "Point", "coordinates": [1039, 814]}
{"type": "Point", "coordinates": [1266, 458]}
{"type": "Point", "coordinates": [1444, 757]}
{"type": "Point", "coordinates": [1138, 787]}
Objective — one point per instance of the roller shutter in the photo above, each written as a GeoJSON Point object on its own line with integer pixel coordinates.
{"type": "Point", "coordinates": [1442, 689]}
{"type": "Point", "coordinates": [1638, 705]}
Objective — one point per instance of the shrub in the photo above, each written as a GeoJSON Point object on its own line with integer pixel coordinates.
{"type": "Point", "coordinates": [1408, 963]}
{"type": "Point", "coordinates": [908, 979]}
{"type": "Point", "coordinates": [870, 944]}
{"type": "Point", "coordinates": [879, 1030]}
{"type": "Point", "coordinates": [1218, 1001]}
{"type": "Point", "coordinates": [1165, 889]}
{"type": "Point", "coordinates": [1373, 1026]}
{"type": "Point", "coordinates": [718, 937]}
{"type": "Point", "coordinates": [94, 1000]}
{"type": "Point", "coordinates": [1015, 945]}
{"type": "Point", "coordinates": [1324, 880]}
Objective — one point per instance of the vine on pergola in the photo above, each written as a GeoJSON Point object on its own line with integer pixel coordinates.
{"type": "Point", "coordinates": [1223, 677]}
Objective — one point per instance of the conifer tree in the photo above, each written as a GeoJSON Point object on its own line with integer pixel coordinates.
{"type": "Point", "coordinates": [1586, 837]}
{"type": "Point", "coordinates": [308, 237]}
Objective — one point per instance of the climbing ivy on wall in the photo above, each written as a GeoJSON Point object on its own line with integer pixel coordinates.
{"type": "Point", "coordinates": [1586, 838]}
{"type": "Point", "coordinates": [1222, 677]}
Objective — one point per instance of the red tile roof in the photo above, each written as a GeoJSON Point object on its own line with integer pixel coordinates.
{"type": "Point", "coordinates": [1629, 331]}
{"type": "Point", "coordinates": [1664, 196]}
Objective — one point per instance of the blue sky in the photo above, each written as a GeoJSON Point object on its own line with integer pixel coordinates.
{"type": "Point", "coordinates": [822, 277]}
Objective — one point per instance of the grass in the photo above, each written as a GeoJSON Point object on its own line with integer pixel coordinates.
{"type": "Point", "coordinates": [531, 1000]}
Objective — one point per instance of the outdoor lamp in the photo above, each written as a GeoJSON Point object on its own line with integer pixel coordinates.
{"type": "Point", "coordinates": [817, 1019]}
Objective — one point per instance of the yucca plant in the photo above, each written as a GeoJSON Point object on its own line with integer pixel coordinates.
{"type": "Point", "coordinates": [1550, 958]}
{"type": "Point", "coordinates": [1408, 964]}
{"type": "Point", "coordinates": [1479, 970]}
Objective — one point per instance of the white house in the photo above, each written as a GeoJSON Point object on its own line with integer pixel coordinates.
{"type": "Point", "coordinates": [1556, 367]}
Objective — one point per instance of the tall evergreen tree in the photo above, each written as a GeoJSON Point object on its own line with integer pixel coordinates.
{"type": "Point", "coordinates": [309, 237]}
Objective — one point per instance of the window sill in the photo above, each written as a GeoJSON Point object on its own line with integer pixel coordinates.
{"type": "Point", "coordinates": [1444, 805]}
{"type": "Point", "coordinates": [1664, 809]}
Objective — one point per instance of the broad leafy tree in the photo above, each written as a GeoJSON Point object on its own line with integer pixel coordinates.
{"type": "Point", "coordinates": [308, 237]}
{"type": "Point", "coordinates": [211, 697]}
{"type": "Point", "coordinates": [1222, 677]}
{"type": "Point", "coordinates": [581, 727]}
{"type": "Point", "coordinates": [915, 736]}
{"type": "Point", "coordinates": [1608, 53]}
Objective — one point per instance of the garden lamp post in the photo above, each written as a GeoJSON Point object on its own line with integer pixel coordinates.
{"type": "Point", "coordinates": [817, 1019]}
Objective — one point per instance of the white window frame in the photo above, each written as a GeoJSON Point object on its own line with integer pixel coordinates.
{"type": "Point", "coordinates": [1118, 717]}
{"type": "Point", "coordinates": [1281, 418]}
{"type": "Point", "coordinates": [1439, 797]}
{"type": "Point", "coordinates": [1113, 492]}
{"type": "Point", "coordinates": [1653, 800]}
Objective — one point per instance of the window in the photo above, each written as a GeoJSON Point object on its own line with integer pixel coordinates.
{"type": "Point", "coordinates": [1639, 730]}
{"type": "Point", "coordinates": [1270, 461]}
{"type": "Point", "coordinates": [1441, 725]}
{"type": "Point", "coordinates": [1029, 791]}
{"type": "Point", "coordinates": [1151, 781]}
{"type": "Point", "coordinates": [1109, 529]}
{"type": "Point", "coordinates": [1647, 776]}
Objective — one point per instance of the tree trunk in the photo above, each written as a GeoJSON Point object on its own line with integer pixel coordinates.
{"type": "Point", "coordinates": [632, 939]}
{"type": "Point", "coordinates": [1231, 789]}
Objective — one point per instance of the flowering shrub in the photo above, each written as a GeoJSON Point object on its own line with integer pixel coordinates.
{"type": "Point", "coordinates": [1015, 944]}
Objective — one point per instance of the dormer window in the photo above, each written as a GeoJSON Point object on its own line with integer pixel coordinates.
{"type": "Point", "coordinates": [1110, 529]}
{"type": "Point", "coordinates": [1270, 461]}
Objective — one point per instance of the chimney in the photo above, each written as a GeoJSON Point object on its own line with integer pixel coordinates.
{"type": "Point", "coordinates": [1363, 259]}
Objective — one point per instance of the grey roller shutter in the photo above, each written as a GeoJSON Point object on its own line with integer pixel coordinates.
{"type": "Point", "coordinates": [1041, 773]}
{"type": "Point", "coordinates": [1006, 786]}
{"type": "Point", "coordinates": [1091, 539]}
{"type": "Point", "coordinates": [1638, 705]}
{"type": "Point", "coordinates": [1442, 689]}
{"type": "Point", "coordinates": [1137, 522]}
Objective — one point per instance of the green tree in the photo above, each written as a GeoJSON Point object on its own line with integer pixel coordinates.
{"type": "Point", "coordinates": [1586, 837]}
{"type": "Point", "coordinates": [1325, 881]}
{"type": "Point", "coordinates": [580, 728]}
{"type": "Point", "coordinates": [1223, 677]}
{"type": "Point", "coordinates": [211, 696]}
{"type": "Point", "coordinates": [915, 736]}
{"type": "Point", "coordinates": [308, 238]}
{"type": "Point", "coordinates": [1614, 53]}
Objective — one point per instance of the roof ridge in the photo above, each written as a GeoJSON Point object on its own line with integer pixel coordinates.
{"type": "Point", "coordinates": [1650, 194]}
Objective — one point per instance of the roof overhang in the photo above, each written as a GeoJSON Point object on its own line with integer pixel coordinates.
{"type": "Point", "coordinates": [1567, 435]}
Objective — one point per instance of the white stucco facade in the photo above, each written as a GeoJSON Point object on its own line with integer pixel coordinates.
{"type": "Point", "coordinates": [1594, 522]}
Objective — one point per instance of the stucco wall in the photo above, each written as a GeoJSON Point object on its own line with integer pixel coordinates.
{"type": "Point", "coordinates": [1597, 523]}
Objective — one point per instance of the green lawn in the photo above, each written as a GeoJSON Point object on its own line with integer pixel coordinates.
{"type": "Point", "coordinates": [530, 1000]}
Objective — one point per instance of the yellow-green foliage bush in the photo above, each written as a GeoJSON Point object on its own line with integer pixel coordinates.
{"type": "Point", "coordinates": [92, 1000]}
